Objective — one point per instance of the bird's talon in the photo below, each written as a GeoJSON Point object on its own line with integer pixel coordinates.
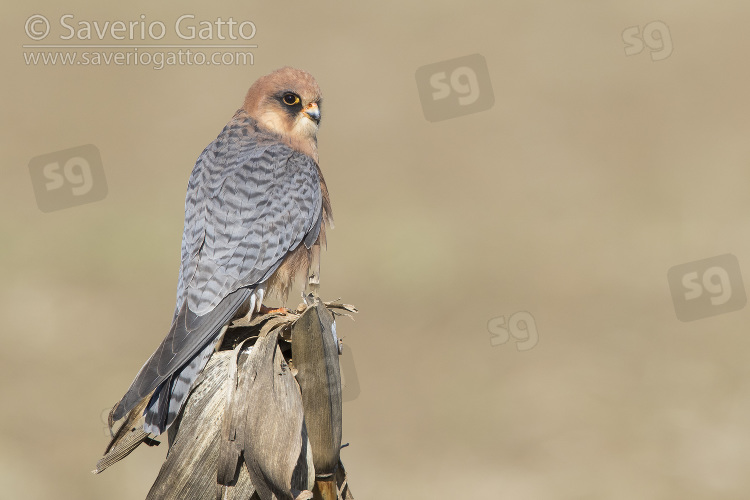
{"type": "Point", "coordinates": [279, 310]}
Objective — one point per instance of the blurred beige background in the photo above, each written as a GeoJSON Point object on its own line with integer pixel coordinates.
{"type": "Point", "coordinates": [592, 175]}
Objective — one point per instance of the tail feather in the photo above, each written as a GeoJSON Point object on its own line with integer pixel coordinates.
{"type": "Point", "coordinates": [186, 343]}
{"type": "Point", "coordinates": [167, 402]}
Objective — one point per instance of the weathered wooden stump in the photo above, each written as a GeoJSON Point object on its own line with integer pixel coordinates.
{"type": "Point", "coordinates": [263, 420]}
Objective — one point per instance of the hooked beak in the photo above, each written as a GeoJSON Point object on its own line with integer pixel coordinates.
{"type": "Point", "coordinates": [313, 112]}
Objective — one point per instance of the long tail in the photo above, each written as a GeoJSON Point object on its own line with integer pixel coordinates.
{"type": "Point", "coordinates": [170, 372]}
{"type": "Point", "coordinates": [168, 399]}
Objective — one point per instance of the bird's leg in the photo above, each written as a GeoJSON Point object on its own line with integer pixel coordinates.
{"type": "Point", "coordinates": [259, 293]}
{"type": "Point", "coordinates": [261, 309]}
{"type": "Point", "coordinates": [255, 305]}
{"type": "Point", "coordinates": [313, 272]}
{"type": "Point", "coordinates": [252, 304]}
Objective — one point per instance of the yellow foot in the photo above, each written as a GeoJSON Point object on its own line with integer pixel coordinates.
{"type": "Point", "coordinates": [278, 310]}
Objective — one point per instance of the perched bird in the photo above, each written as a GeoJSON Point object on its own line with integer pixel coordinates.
{"type": "Point", "coordinates": [256, 211]}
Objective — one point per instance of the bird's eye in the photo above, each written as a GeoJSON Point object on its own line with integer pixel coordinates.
{"type": "Point", "coordinates": [290, 99]}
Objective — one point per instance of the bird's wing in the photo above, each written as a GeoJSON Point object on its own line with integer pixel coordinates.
{"type": "Point", "coordinates": [251, 200]}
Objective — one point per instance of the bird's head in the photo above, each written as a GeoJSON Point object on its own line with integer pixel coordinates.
{"type": "Point", "coordinates": [287, 102]}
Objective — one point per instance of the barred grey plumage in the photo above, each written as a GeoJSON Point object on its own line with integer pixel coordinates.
{"type": "Point", "coordinates": [252, 200]}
